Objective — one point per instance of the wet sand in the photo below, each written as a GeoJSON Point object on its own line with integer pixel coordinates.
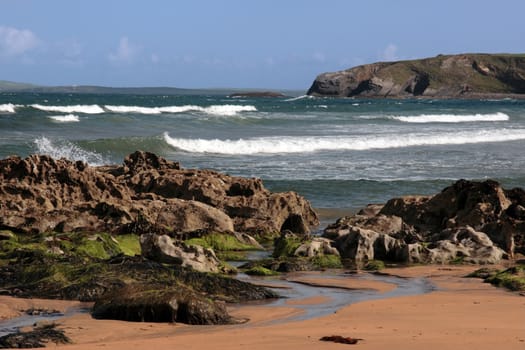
{"type": "Point", "coordinates": [461, 314]}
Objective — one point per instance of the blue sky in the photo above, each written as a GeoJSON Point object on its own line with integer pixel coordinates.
{"type": "Point", "coordinates": [233, 43]}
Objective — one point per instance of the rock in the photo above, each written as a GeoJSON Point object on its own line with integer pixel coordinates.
{"type": "Point", "coordinates": [248, 240]}
{"type": "Point", "coordinates": [79, 278]}
{"type": "Point", "coordinates": [390, 225]}
{"type": "Point", "coordinates": [472, 222]}
{"type": "Point", "coordinates": [163, 249]}
{"type": "Point", "coordinates": [362, 245]}
{"type": "Point", "coordinates": [340, 339]}
{"type": "Point", "coordinates": [294, 252]}
{"type": "Point", "coordinates": [39, 337]}
{"type": "Point", "coordinates": [182, 216]}
{"type": "Point", "coordinates": [316, 246]}
{"type": "Point", "coordinates": [444, 76]}
{"type": "Point", "coordinates": [147, 193]}
{"type": "Point", "coordinates": [147, 303]}
{"type": "Point", "coordinates": [466, 245]}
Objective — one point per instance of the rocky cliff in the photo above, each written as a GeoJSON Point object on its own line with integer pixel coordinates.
{"type": "Point", "coordinates": [444, 76]}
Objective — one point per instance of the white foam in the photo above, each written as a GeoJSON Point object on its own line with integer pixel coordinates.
{"type": "Point", "coordinates": [86, 109]}
{"type": "Point", "coordinates": [292, 144]}
{"type": "Point", "coordinates": [7, 108]}
{"type": "Point", "coordinates": [65, 118]}
{"type": "Point", "coordinates": [299, 98]}
{"type": "Point", "coordinates": [132, 109]}
{"type": "Point", "coordinates": [228, 110]}
{"type": "Point", "coordinates": [221, 110]}
{"type": "Point", "coordinates": [68, 150]}
{"type": "Point", "coordinates": [453, 118]}
{"type": "Point", "coordinates": [181, 109]}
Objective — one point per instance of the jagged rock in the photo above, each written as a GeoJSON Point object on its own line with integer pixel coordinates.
{"type": "Point", "coordinates": [164, 249]}
{"type": "Point", "coordinates": [466, 245]}
{"type": "Point", "coordinates": [470, 221]}
{"type": "Point", "coordinates": [390, 225]}
{"type": "Point", "coordinates": [147, 193]}
{"type": "Point", "coordinates": [362, 244]}
{"type": "Point", "coordinates": [445, 76]}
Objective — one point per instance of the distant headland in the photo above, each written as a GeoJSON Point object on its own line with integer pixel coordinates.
{"type": "Point", "coordinates": [16, 87]}
{"type": "Point", "coordinates": [443, 76]}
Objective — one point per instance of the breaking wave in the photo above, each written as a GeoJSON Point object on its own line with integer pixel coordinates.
{"type": "Point", "coordinates": [65, 118]}
{"type": "Point", "coordinates": [132, 109]}
{"type": "Point", "coordinates": [453, 118]}
{"type": "Point", "coordinates": [68, 150]}
{"type": "Point", "coordinates": [289, 144]}
{"type": "Point", "coordinates": [7, 108]}
{"type": "Point", "coordinates": [222, 110]}
{"type": "Point", "coordinates": [86, 109]}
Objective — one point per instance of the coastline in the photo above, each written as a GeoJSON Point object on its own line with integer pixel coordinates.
{"type": "Point", "coordinates": [462, 312]}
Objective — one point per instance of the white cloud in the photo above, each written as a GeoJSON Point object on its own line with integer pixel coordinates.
{"type": "Point", "coordinates": [14, 42]}
{"type": "Point", "coordinates": [389, 53]}
{"type": "Point", "coordinates": [126, 52]}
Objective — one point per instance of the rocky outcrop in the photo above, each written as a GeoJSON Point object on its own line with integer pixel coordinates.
{"type": "Point", "coordinates": [146, 303]}
{"type": "Point", "coordinates": [445, 76]}
{"type": "Point", "coordinates": [474, 222]}
{"type": "Point", "coordinates": [145, 194]}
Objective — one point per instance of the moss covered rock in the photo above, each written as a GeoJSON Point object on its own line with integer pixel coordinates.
{"type": "Point", "coordinates": [158, 303]}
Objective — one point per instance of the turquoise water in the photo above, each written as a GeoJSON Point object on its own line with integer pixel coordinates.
{"type": "Point", "coordinates": [339, 153]}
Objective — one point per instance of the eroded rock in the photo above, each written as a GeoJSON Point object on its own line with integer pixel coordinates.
{"type": "Point", "coordinates": [147, 193]}
{"type": "Point", "coordinates": [473, 222]}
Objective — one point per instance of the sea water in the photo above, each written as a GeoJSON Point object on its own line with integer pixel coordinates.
{"type": "Point", "coordinates": [338, 153]}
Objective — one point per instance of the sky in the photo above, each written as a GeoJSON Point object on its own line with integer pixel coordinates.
{"type": "Point", "coordinates": [279, 44]}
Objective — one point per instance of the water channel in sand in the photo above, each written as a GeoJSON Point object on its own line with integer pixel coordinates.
{"type": "Point", "coordinates": [333, 297]}
{"type": "Point", "coordinates": [329, 297]}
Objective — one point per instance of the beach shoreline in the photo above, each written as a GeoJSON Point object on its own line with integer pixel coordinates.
{"type": "Point", "coordinates": [461, 312]}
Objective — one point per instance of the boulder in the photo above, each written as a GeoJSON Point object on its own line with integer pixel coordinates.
{"type": "Point", "coordinates": [316, 246]}
{"type": "Point", "coordinates": [150, 303]}
{"type": "Point", "coordinates": [164, 249]}
{"type": "Point", "coordinates": [147, 193]}
{"type": "Point", "coordinates": [464, 244]}
{"type": "Point", "coordinates": [469, 221]}
{"type": "Point", "coordinates": [387, 224]}
{"type": "Point", "coordinates": [362, 244]}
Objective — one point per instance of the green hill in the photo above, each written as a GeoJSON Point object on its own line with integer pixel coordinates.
{"type": "Point", "coordinates": [445, 76]}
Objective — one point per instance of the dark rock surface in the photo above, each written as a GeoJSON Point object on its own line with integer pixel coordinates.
{"type": "Point", "coordinates": [147, 193]}
{"type": "Point", "coordinates": [150, 303]}
{"type": "Point", "coordinates": [444, 76]}
{"type": "Point", "coordinates": [39, 337]}
{"type": "Point", "coordinates": [472, 222]}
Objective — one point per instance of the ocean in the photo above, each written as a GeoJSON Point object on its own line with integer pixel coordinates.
{"type": "Point", "coordinates": [341, 154]}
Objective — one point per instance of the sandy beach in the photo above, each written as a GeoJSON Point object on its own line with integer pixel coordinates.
{"type": "Point", "coordinates": [460, 313]}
